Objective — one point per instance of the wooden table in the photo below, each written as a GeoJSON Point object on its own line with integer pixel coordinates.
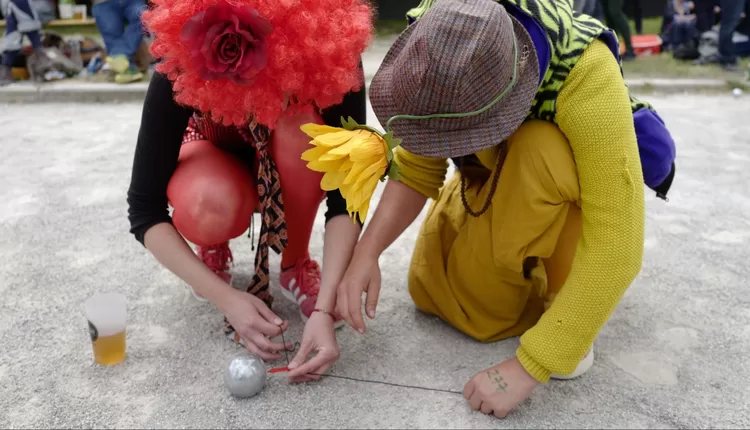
{"type": "Point", "coordinates": [84, 27]}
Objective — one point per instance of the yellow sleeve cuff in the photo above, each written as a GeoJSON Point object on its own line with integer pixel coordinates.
{"type": "Point", "coordinates": [424, 174]}
{"type": "Point", "coordinates": [532, 367]}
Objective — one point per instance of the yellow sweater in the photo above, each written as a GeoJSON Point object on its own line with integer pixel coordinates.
{"type": "Point", "coordinates": [594, 113]}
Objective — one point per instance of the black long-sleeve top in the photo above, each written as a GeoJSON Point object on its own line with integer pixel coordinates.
{"type": "Point", "coordinates": [163, 123]}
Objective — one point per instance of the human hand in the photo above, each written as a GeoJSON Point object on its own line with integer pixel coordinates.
{"type": "Point", "coordinates": [499, 389]}
{"type": "Point", "coordinates": [319, 337]}
{"type": "Point", "coordinates": [363, 275]}
{"type": "Point", "coordinates": [255, 323]}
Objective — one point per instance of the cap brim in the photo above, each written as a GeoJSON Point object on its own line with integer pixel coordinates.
{"type": "Point", "coordinates": [501, 120]}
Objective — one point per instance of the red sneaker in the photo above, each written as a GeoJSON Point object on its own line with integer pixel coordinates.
{"type": "Point", "coordinates": [301, 285]}
{"type": "Point", "coordinates": [217, 258]}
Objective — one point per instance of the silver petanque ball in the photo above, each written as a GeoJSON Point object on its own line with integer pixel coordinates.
{"type": "Point", "coordinates": [737, 92]}
{"type": "Point", "coordinates": [245, 375]}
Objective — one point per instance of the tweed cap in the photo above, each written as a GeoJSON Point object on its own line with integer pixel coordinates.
{"type": "Point", "coordinates": [458, 58]}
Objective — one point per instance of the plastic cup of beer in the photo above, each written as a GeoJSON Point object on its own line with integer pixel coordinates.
{"type": "Point", "coordinates": [107, 315]}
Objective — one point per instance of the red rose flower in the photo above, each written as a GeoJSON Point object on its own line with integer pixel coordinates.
{"type": "Point", "coordinates": [227, 41]}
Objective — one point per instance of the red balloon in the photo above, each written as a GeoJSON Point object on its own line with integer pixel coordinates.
{"type": "Point", "coordinates": [213, 194]}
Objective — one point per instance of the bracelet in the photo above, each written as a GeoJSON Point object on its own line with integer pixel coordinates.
{"type": "Point", "coordinates": [323, 311]}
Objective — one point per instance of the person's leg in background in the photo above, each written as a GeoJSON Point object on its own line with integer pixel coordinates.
{"type": "Point", "coordinates": [618, 21]}
{"type": "Point", "coordinates": [637, 15]}
{"type": "Point", "coordinates": [580, 5]}
{"type": "Point", "coordinates": [666, 30]}
{"type": "Point", "coordinates": [704, 13]}
{"type": "Point", "coordinates": [596, 9]}
{"type": "Point", "coordinates": [110, 23]}
{"type": "Point", "coordinates": [132, 37]}
{"type": "Point", "coordinates": [111, 18]}
{"type": "Point", "coordinates": [731, 15]}
{"type": "Point", "coordinates": [20, 19]}
{"type": "Point", "coordinates": [590, 7]}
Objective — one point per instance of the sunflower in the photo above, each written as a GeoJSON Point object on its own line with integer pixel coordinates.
{"type": "Point", "coordinates": [354, 158]}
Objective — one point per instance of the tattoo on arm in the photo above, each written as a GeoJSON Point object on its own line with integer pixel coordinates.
{"type": "Point", "coordinates": [500, 384]}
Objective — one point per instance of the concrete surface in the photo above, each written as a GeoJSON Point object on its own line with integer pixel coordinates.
{"type": "Point", "coordinates": [674, 354]}
{"type": "Point", "coordinates": [80, 91]}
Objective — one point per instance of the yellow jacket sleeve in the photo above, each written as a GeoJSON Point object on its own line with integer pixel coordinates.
{"type": "Point", "coordinates": [423, 174]}
{"type": "Point", "coordinates": [594, 113]}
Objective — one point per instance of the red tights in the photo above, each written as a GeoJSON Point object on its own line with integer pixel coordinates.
{"type": "Point", "coordinates": [213, 193]}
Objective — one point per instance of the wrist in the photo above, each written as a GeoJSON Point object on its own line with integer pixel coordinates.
{"type": "Point", "coordinates": [532, 367]}
{"type": "Point", "coordinates": [326, 312]}
{"type": "Point", "coordinates": [221, 295]}
{"type": "Point", "coordinates": [367, 248]}
{"type": "Point", "coordinates": [325, 302]}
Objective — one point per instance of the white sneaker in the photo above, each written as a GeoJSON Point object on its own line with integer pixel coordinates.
{"type": "Point", "coordinates": [583, 367]}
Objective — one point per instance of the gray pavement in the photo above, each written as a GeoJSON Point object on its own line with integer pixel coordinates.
{"type": "Point", "coordinates": [674, 354]}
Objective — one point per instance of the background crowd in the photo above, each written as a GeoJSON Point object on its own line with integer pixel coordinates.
{"type": "Point", "coordinates": [705, 31]}
{"type": "Point", "coordinates": [701, 31]}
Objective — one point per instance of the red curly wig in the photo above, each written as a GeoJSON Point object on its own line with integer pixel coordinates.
{"type": "Point", "coordinates": [312, 56]}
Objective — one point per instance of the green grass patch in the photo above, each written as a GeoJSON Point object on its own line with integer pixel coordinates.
{"type": "Point", "coordinates": [390, 27]}
{"type": "Point", "coordinates": [665, 66]}
{"type": "Point", "coordinates": [650, 26]}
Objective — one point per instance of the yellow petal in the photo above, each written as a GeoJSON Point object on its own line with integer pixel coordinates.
{"type": "Point", "coordinates": [314, 130]}
{"type": "Point", "coordinates": [330, 155]}
{"type": "Point", "coordinates": [347, 166]}
{"type": "Point", "coordinates": [364, 189]}
{"type": "Point", "coordinates": [315, 153]}
{"type": "Point", "coordinates": [333, 140]}
{"type": "Point", "coordinates": [355, 140]}
{"type": "Point", "coordinates": [373, 148]}
{"type": "Point", "coordinates": [332, 180]}
{"type": "Point", "coordinates": [325, 166]}
{"type": "Point", "coordinates": [362, 211]}
{"type": "Point", "coordinates": [363, 170]}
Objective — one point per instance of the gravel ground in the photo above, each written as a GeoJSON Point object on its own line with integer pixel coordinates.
{"type": "Point", "coordinates": [673, 355]}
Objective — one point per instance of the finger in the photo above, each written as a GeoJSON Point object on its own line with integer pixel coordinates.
{"type": "Point", "coordinates": [355, 309]}
{"type": "Point", "coordinates": [486, 408]}
{"type": "Point", "coordinates": [299, 359]}
{"type": "Point", "coordinates": [476, 401]}
{"type": "Point", "coordinates": [501, 413]}
{"type": "Point", "coordinates": [318, 373]}
{"type": "Point", "coordinates": [301, 379]}
{"type": "Point", "coordinates": [311, 366]}
{"type": "Point", "coordinates": [268, 314]}
{"type": "Point", "coordinates": [266, 356]}
{"type": "Point", "coordinates": [266, 344]}
{"type": "Point", "coordinates": [321, 371]}
{"type": "Point", "coordinates": [373, 293]}
{"type": "Point", "coordinates": [342, 304]}
{"type": "Point", "coordinates": [267, 328]}
{"type": "Point", "coordinates": [469, 389]}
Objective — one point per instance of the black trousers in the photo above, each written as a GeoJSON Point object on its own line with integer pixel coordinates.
{"type": "Point", "coordinates": [617, 20]}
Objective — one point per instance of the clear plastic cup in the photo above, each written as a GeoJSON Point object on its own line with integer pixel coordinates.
{"type": "Point", "coordinates": [107, 317]}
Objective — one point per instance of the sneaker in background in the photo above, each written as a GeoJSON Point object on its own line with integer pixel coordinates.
{"type": "Point", "coordinates": [118, 63]}
{"type": "Point", "coordinates": [131, 75]}
{"type": "Point", "coordinates": [301, 285]}
{"type": "Point", "coordinates": [217, 258]}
